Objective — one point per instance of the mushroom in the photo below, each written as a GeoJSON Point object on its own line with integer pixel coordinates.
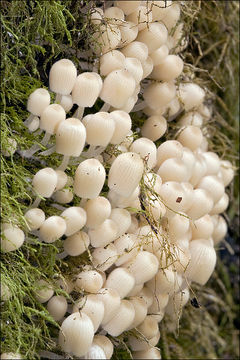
{"type": "Point", "coordinates": [125, 173]}
{"type": "Point", "coordinates": [44, 183]}
{"type": "Point", "coordinates": [70, 140]}
{"type": "Point", "coordinates": [76, 334]}
{"type": "Point", "coordinates": [121, 280]}
{"type": "Point", "coordinates": [86, 90]}
{"type": "Point", "coordinates": [76, 244]}
{"type": "Point", "coordinates": [57, 307]}
{"type": "Point", "coordinates": [89, 179]}
{"type": "Point", "coordinates": [154, 127]}
{"type": "Point", "coordinates": [44, 291]}
{"type": "Point", "coordinates": [52, 229]}
{"type": "Point", "coordinates": [97, 210]}
{"type": "Point", "coordinates": [122, 320]}
{"type": "Point", "coordinates": [92, 307]}
{"type": "Point", "coordinates": [104, 257]}
{"type": "Point", "coordinates": [38, 100]}
{"type": "Point", "coordinates": [34, 218]}
{"type": "Point", "coordinates": [118, 86]}
{"type": "Point", "coordinates": [12, 237]}
{"type": "Point", "coordinates": [154, 36]}
{"type": "Point", "coordinates": [89, 280]}
{"type": "Point", "coordinates": [99, 128]}
{"type": "Point", "coordinates": [62, 77]}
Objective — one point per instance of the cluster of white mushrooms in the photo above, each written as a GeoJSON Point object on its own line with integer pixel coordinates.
{"type": "Point", "coordinates": [155, 231]}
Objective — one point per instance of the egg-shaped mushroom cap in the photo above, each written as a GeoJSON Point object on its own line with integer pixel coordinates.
{"type": "Point", "coordinates": [113, 60]}
{"type": "Point", "coordinates": [57, 307]}
{"type": "Point", "coordinates": [38, 100]}
{"type": "Point", "coordinates": [86, 89]}
{"type": "Point", "coordinates": [158, 95]}
{"type": "Point", "coordinates": [146, 260]}
{"type": "Point", "coordinates": [154, 127]}
{"type": "Point", "coordinates": [104, 257]}
{"type": "Point", "coordinates": [125, 173]}
{"type": "Point", "coordinates": [121, 280]}
{"type": "Point", "coordinates": [44, 291]}
{"type": "Point", "coordinates": [142, 17]}
{"type": "Point", "coordinates": [105, 343]}
{"type": "Point", "coordinates": [89, 179]}
{"type": "Point", "coordinates": [12, 237]}
{"type": "Point", "coordinates": [127, 7]}
{"type": "Point", "coordinates": [62, 76]}
{"type": "Point", "coordinates": [111, 300]}
{"type": "Point", "coordinates": [51, 117]}
{"type": "Point", "coordinates": [70, 137]}
{"type": "Point", "coordinates": [44, 182]}
{"type": "Point", "coordinates": [136, 49]}
{"type": "Point", "coordinates": [122, 320]}
{"type": "Point", "coordinates": [169, 69]}
{"type": "Point", "coordinates": [76, 334]}
{"type": "Point", "coordinates": [146, 149]}
{"type": "Point", "coordinates": [154, 36]}
{"type": "Point", "coordinates": [118, 86]}
{"type": "Point", "coordinates": [97, 210]}
{"type": "Point", "coordinates": [99, 127]}
{"type": "Point", "coordinates": [52, 229]}
{"type": "Point", "coordinates": [123, 124]}
{"type": "Point", "coordinates": [75, 218]}
{"type": "Point", "coordinates": [129, 31]}
{"type": "Point", "coordinates": [34, 217]}
{"type": "Point", "coordinates": [76, 244]}
{"type": "Point", "coordinates": [191, 95]}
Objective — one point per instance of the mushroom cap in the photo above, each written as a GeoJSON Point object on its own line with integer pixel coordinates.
{"type": "Point", "coordinates": [111, 300]}
{"type": "Point", "coordinates": [52, 229]}
{"type": "Point", "coordinates": [125, 173]}
{"type": "Point", "coordinates": [35, 218]}
{"type": "Point", "coordinates": [86, 89]}
{"type": "Point", "coordinates": [104, 257]}
{"type": "Point", "coordinates": [75, 218]}
{"type": "Point", "coordinates": [76, 334]}
{"type": "Point", "coordinates": [44, 291]}
{"type": "Point", "coordinates": [146, 149]}
{"type": "Point", "coordinates": [154, 36]}
{"type": "Point", "coordinates": [57, 307]}
{"type": "Point", "coordinates": [97, 210]}
{"type": "Point", "coordinates": [118, 86]}
{"type": "Point", "coordinates": [158, 95]}
{"type": "Point", "coordinates": [44, 182]}
{"type": "Point", "coordinates": [203, 261]}
{"type": "Point", "coordinates": [129, 31]}
{"type": "Point", "coordinates": [76, 244]}
{"type": "Point", "coordinates": [121, 280]}
{"type": "Point", "coordinates": [99, 127]}
{"type": "Point", "coordinates": [38, 100]}
{"type": "Point", "coordinates": [62, 76]}
{"type": "Point", "coordinates": [12, 237]}
{"type": "Point", "coordinates": [70, 137]}
{"type": "Point", "coordinates": [159, 54]}
{"type": "Point", "coordinates": [51, 117]}
{"type": "Point", "coordinates": [89, 179]}
{"type": "Point", "coordinates": [169, 69]}
{"type": "Point", "coordinates": [142, 17]}
{"type": "Point", "coordinates": [113, 60]}
{"type": "Point", "coordinates": [154, 127]}
{"type": "Point", "coordinates": [122, 320]}
{"type": "Point", "coordinates": [136, 49]}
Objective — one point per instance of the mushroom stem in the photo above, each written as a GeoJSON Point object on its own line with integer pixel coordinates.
{"type": "Point", "coordinates": [58, 98]}
{"type": "Point", "coordinates": [62, 255]}
{"type": "Point", "coordinates": [50, 355]}
{"type": "Point", "coordinates": [59, 207]}
{"type": "Point", "coordinates": [29, 120]}
{"type": "Point", "coordinates": [64, 163]}
{"type": "Point", "coordinates": [36, 203]}
{"type": "Point", "coordinates": [105, 107]}
{"type": "Point", "coordinates": [38, 132]}
{"type": "Point", "coordinates": [79, 113]}
{"type": "Point", "coordinates": [46, 139]}
{"type": "Point", "coordinates": [140, 106]}
{"type": "Point", "coordinates": [48, 151]}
